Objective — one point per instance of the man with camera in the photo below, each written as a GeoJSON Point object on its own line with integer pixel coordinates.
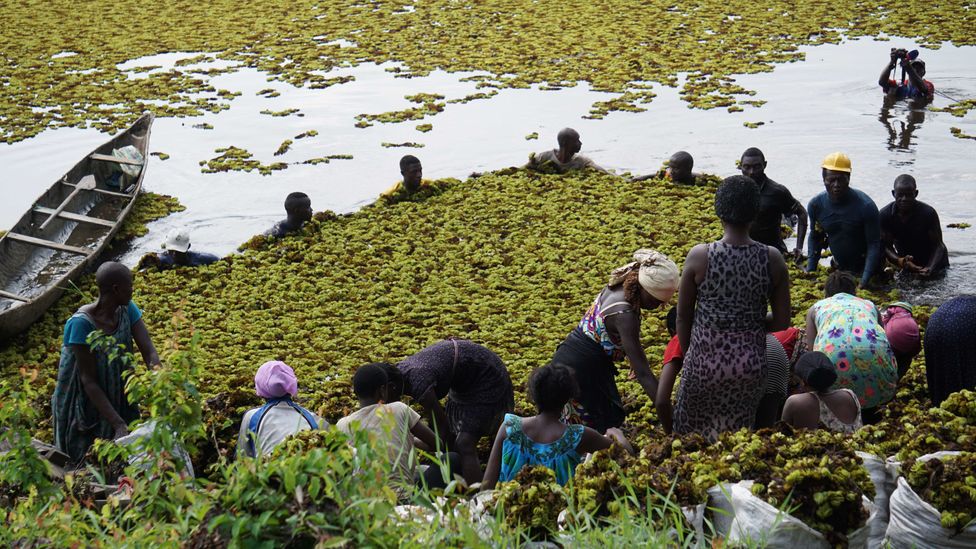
{"type": "Point", "coordinates": [915, 86]}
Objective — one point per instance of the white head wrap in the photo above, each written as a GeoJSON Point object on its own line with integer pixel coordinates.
{"type": "Point", "coordinates": [657, 274]}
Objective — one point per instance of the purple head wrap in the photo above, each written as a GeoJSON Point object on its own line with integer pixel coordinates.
{"type": "Point", "coordinates": [275, 379]}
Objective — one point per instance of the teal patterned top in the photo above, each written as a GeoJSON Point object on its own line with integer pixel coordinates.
{"type": "Point", "coordinates": [519, 450]}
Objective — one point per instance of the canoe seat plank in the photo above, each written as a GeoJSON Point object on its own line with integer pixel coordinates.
{"type": "Point", "coordinates": [117, 160]}
{"type": "Point", "coordinates": [15, 297]}
{"type": "Point", "coordinates": [48, 244]}
{"type": "Point", "coordinates": [76, 217]}
{"type": "Point", "coordinates": [101, 191]}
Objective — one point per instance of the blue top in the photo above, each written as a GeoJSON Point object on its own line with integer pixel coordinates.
{"type": "Point", "coordinates": [78, 327]}
{"type": "Point", "coordinates": [519, 451]}
{"type": "Point", "coordinates": [852, 230]}
{"type": "Point", "coordinates": [193, 259]}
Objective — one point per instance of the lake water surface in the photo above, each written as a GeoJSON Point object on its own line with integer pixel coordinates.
{"type": "Point", "coordinates": [829, 102]}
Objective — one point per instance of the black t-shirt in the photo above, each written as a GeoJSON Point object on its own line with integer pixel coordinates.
{"type": "Point", "coordinates": [281, 229]}
{"type": "Point", "coordinates": [911, 236]}
{"type": "Point", "coordinates": [775, 201]}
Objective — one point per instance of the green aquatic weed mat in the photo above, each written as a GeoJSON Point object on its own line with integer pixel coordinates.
{"type": "Point", "coordinates": [60, 62]}
{"type": "Point", "coordinates": [384, 282]}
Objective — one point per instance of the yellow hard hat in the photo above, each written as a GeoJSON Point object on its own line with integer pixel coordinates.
{"type": "Point", "coordinates": [838, 162]}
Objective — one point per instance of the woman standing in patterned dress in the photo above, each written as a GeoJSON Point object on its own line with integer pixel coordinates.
{"type": "Point", "coordinates": [722, 302]}
{"type": "Point", "coordinates": [848, 329]}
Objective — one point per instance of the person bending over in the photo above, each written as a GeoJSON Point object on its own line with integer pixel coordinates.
{"type": "Point", "coordinates": [775, 202]}
{"type": "Point", "coordinates": [476, 384]}
{"type": "Point", "coordinates": [915, 87]}
{"type": "Point", "coordinates": [89, 399]}
{"type": "Point", "coordinates": [544, 439]}
{"type": "Point", "coordinates": [267, 426]}
{"type": "Point", "coordinates": [298, 207]}
{"type": "Point", "coordinates": [950, 348]}
{"type": "Point", "coordinates": [911, 232]}
{"type": "Point", "coordinates": [395, 426]}
{"type": "Point", "coordinates": [836, 409]}
{"type": "Point", "coordinates": [848, 330]}
{"type": "Point", "coordinates": [846, 221]}
{"type": "Point", "coordinates": [609, 332]}
{"type": "Point", "coordinates": [565, 158]}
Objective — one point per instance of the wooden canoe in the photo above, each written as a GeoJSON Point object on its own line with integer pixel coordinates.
{"type": "Point", "coordinates": [66, 229]}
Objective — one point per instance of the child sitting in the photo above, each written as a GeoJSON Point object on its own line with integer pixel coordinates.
{"type": "Point", "coordinates": [543, 439]}
{"type": "Point", "coordinates": [265, 427]}
{"type": "Point", "coordinates": [837, 410]}
{"type": "Point", "coordinates": [394, 424]}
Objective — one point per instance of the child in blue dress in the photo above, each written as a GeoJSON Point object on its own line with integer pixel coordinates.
{"type": "Point", "coordinates": [543, 439]}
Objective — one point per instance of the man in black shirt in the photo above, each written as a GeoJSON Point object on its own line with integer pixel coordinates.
{"type": "Point", "coordinates": [911, 233]}
{"type": "Point", "coordinates": [775, 201]}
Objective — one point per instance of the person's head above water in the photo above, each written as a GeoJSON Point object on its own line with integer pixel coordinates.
{"type": "Point", "coordinates": [752, 164]}
{"type": "Point", "coordinates": [816, 371]}
{"type": "Point", "coordinates": [114, 281]}
{"type": "Point", "coordinates": [569, 141]}
{"type": "Point", "coordinates": [680, 166]}
{"type": "Point", "coordinates": [904, 192]}
{"type": "Point", "coordinates": [552, 386]}
{"type": "Point", "coordinates": [919, 67]}
{"type": "Point", "coordinates": [412, 172]}
{"type": "Point", "coordinates": [737, 200]}
{"type": "Point", "coordinates": [840, 282]}
{"type": "Point", "coordinates": [370, 383]}
{"type": "Point", "coordinates": [298, 206]}
{"type": "Point", "coordinates": [836, 173]}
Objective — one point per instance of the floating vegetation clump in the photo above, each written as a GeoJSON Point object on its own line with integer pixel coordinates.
{"type": "Point", "coordinates": [203, 126]}
{"type": "Point", "coordinates": [309, 133]}
{"type": "Point", "coordinates": [640, 45]}
{"type": "Point", "coordinates": [327, 159]}
{"type": "Point", "coordinates": [284, 112]}
{"type": "Point", "coordinates": [409, 144]}
{"type": "Point", "coordinates": [424, 128]}
{"type": "Point", "coordinates": [269, 92]}
{"type": "Point", "coordinates": [160, 155]}
{"type": "Point", "coordinates": [283, 148]}
{"type": "Point", "coordinates": [237, 159]}
{"type": "Point", "coordinates": [957, 109]}
{"type": "Point", "coordinates": [414, 113]}
{"type": "Point", "coordinates": [957, 132]}
{"type": "Point", "coordinates": [532, 136]}
{"type": "Point", "coordinates": [958, 225]}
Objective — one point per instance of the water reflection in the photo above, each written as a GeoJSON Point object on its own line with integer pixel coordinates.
{"type": "Point", "coordinates": [901, 118]}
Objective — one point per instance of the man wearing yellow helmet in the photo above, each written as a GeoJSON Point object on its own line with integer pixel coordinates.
{"type": "Point", "coordinates": [846, 220]}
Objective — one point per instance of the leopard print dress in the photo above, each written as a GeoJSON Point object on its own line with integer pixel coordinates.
{"type": "Point", "coordinates": [724, 372]}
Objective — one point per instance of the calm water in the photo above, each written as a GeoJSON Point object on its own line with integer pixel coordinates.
{"type": "Point", "coordinates": [828, 102]}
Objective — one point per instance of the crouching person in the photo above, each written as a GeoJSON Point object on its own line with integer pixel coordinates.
{"type": "Point", "coordinates": [265, 427]}
{"type": "Point", "coordinates": [543, 439]}
{"type": "Point", "coordinates": [395, 427]}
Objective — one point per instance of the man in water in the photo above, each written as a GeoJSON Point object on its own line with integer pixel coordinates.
{"type": "Point", "coordinates": [177, 254]}
{"type": "Point", "coordinates": [916, 87]}
{"type": "Point", "coordinates": [775, 201]}
{"type": "Point", "coordinates": [846, 220]}
{"type": "Point", "coordinates": [911, 232]}
{"type": "Point", "coordinates": [679, 170]}
{"type": "Point", "coordinates": [565, 158]}
{"type": "Point", "coordinates": [413, 182]}
{"type": "Point", "coordinates": [298, 206]}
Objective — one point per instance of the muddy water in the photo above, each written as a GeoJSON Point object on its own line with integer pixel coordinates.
{"type": "Point", "coordinates": [829, 102]}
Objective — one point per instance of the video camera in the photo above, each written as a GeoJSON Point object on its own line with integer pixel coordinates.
{"type": "Point", "coordinates": [903, 54]}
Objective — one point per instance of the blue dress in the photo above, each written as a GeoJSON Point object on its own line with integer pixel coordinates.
{"type": "Point", "coordinates": [519, 451]}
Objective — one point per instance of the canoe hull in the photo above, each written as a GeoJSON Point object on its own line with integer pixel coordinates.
{"type": "Point", "coordinates": [37, 266]}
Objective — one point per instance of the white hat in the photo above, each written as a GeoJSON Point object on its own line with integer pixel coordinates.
{"type": "Point", "coordinates": [178, 241]}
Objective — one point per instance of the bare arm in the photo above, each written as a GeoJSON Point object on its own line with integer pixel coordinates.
{"type": "Point", "coordinates": [426, 436]}
{"type": "Point", "coordinates": [888, 245]}
{"type": "Point", "coordinates": [935, 240]}
{"type": "Point", "coordinates": [779, 294]}
{"type": "Point", "coordinates": [88, 375]}
{"type": "Point", "coordinates": [141, 336]}
{"type": "Point", "coordinates": [593, 441]}
{"type": "Point", "coordinates": [816, 238]}
{"type": "Point", "coordinates": [885, 79]}
{"type": "Point", "coordinates": [494, 466]}
{"type": "Point", "coordinates": [801, 227]}
{"type": "Point", "coordinates": [628, 326]}
{"type": "Point", "coordinates": [438, 417]}
{"type": "Point", "coordinates": [811, 331]}
{"type": "Point", "coordinates": [662, 402]}
{"type": "Point", "coordinates": [692, 274]}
